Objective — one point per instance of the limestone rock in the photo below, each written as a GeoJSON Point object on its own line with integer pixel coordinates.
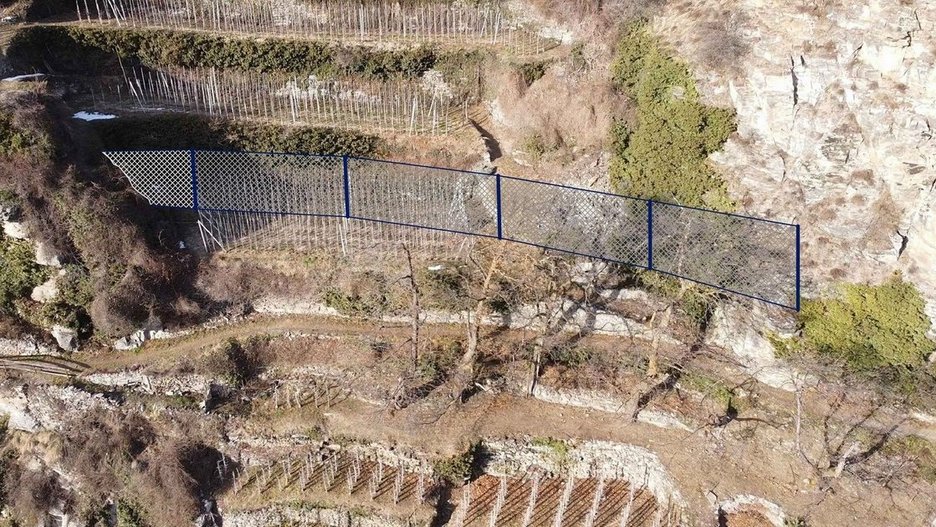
{"type": "Point", "coordinates": [137, 338]}
{"type": "Point", "coordinates": [66, 338]}
{"type": "Point", "coordinates": [835, 108]}
{"type": "Point", "coordinates": [46, 291]}
{"type": "Point", "coordinates": [740, 330]}
{"type": "Point", "coordinates": [15, 230]}
{"type": "Point", "coordinates": [24, 346]}
{"type": "Point", "coordinates": [47, 256]}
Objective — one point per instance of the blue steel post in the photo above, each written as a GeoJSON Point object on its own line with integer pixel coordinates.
{"type": "Point", "coordinates": [500, 216]}
{"type": "Point", "coordinates": [797, 268]}
{"type": "Point", "coordinates": [347, 188]}
{"type": "Point", "coordinates": [194, 172]}
{"type": "Point", "coordinates": [650, 234]}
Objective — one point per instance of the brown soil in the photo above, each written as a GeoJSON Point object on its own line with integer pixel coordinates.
{"type": "Point", "coordinates": [304, 476]}
{"type": "Point", "coordinates": [746, 519]}
{"type": "Point", "coordinates": [755, 455]}
{"type": "Point", "coordinates": [615, 500]}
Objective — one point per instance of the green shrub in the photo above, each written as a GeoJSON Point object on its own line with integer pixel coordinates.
{"type": "Point", "coordinates": [537, 146]}
{"type": "Point", "coordinates": [870, 327]}
{"type": "Point", "coordinates": [76, 49]}
{"type": "Point", "coordinates": [712, 389]}
{"type": "Point", "coordinates": [663, 154]}
{"type": "Point", "coordinates": [531, 72]}
{"type": "Point", "coordinates": [921, 451]}
{"type": "Point", "coordinates": [457, 469]}
{"type": "Point", "coordinates": [441, 358]}
{"type": "Point", "coordinates": [13, 141]}
{"type": "Point", "coordinates": [234, 362]}
{"type": "Point", "coordinates": [19, 273]}
{"type": "Point", "coordinates": [570, 356]}
{"type": "Point", "coordinates": [174, 131]}
{"type": "Point", "coordinates": [557, 447]}
{"type": "Point", "coordinates": [351, 304]}
{"type": "Point", "coordinates": [445, 287]}
{"type": "Point", "coordinates": [70, 307]}
{"type": "Point", "coordinates": [129, 515]}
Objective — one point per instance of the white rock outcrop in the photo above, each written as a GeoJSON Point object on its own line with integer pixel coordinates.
{"type": "Point", "coordinates": [836, 105]}
{"type": "Point", "coordinates": [15, 230]}
{"type": "Point", "coordinates": [46, 291]}
{"type": "Point", "coordinates": [47, 256]}
{"type": "Point", "coordinates": [66, 338]}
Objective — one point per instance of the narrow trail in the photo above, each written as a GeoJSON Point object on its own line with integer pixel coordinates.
{"type": "Point", "coordinates": [816, 406]}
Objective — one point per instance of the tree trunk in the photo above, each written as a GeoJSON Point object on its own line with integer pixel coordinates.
{"type": "Point", "coordinates": [466, 367]}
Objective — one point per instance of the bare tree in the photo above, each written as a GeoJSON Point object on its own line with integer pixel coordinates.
{"type": "Point", "coordinates": [415, 309]}
{"type": "Point", "coordinates": [465, 374]}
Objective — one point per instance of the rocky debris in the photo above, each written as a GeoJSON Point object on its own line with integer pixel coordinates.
{"type": "Point", "coordinates": [604, 402]}
{"type": "Point", "coordinates": [46, 407]}
{"type": "Point", "coordinates": [282, 515]}
{"type": "Point", "coordinates": [154, 384]}
{"type": "Point", "coordinates": [48, 290]}
{"type": "Point", "coordinates": [67, 338]}
{"type": "Point", "coordinates": [15, 406]}
{"type": "Point", "coordinates": [25, 346]}
{"type": "Point", "coordinates": [740, 330]}
{"type": "Point", "coordinates": [745, 502]}
{"type": "Point", "coordinates": [587, 459]}
{"type": "Point", "coordinates": [136, 339]}
{"type": "Point", "coordinates": [577, 317]}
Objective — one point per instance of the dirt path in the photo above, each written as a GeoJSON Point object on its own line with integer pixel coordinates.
{"type": "Point", "coordinates": [708, 460]}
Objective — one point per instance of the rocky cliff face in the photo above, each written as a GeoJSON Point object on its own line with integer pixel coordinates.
{"type": "Point", "coordinates": [836, 105]}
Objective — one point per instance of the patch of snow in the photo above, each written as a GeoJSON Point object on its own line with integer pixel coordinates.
{"type": "Point", "coordinates": [93, 116]}
{"type": "Point", "coordinates": [23, 78]}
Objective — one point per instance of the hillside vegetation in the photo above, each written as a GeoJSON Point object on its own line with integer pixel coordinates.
{"type": "Point", "coordinates": [83, 50]}
{"type": "Point", "coordinates": [662, 153]}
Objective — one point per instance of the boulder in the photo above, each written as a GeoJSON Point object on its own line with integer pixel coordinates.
{"type": "Point", "coordinates": [137, 338]}
{"type": "Point", "coordinates": [46, 255]}
{"type": "Point", "coordinates": [741, 330]}
{"type": "Point", "coordinates": [15, 230]}
{"type": "Point", "coordinates": [66, 338]}
{"type": "Point", "coordinates": [46, 291]}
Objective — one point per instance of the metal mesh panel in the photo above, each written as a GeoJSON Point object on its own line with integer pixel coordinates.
{"type": "Point", "coordinates": [435, 198]}
{"type": "Point", "coordinates": [575, 220]}
{"type": "Point", "coordinates": [280, 183]}
{"type": "Point", "coordinates": [163, 177]}
{"type": "Point", "coordinates": [753, 257]}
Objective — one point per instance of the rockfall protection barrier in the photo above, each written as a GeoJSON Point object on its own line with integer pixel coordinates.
{"type": "Point", "coordinates": [753, 257]}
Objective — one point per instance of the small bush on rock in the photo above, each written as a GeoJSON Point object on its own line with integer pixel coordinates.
{"type": "Point", "coordinates": [870, 326]}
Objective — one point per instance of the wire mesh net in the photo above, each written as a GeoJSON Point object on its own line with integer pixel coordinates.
{"type": "Point", "coordinates": [744, 255]}
{"type": "Point", "coordinates": [279, 183]}
{"type": "Point", "coordinates": [163, 177]}
{"type": "Point", "coordinates": [575, 220]}
{"type": "Point", "coordinates": [433, 198]}
{"type": "Point", "coordinates": [264, 196]}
